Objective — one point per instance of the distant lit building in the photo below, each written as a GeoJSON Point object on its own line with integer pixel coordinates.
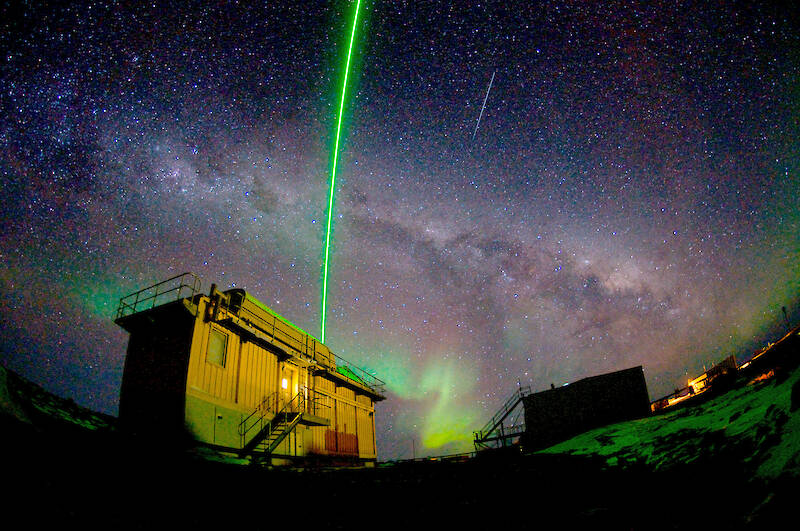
{"type": "Point", "coordinates": [725, 368]}
{"type": "Point", "coordinates": [229, 372]}
{"type": "Point", "coordinates": [719, 377]}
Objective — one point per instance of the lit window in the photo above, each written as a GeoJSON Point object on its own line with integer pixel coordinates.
{"type": "Point", "coordinates": [285, 383]}
{"type": "Point", "coordinates": [217, 344]}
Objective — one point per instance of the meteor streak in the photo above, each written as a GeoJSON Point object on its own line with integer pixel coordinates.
{"type": "Point", "coordinates": [484, 105]}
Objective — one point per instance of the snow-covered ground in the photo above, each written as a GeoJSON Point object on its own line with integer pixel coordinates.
{"type": "Point", "coordinates": [30, 404]}
{"type": "Point", "coordinates": [754, 425]}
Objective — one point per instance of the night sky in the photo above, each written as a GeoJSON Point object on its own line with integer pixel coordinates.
{"type": "Point", "coordinates": [629, 197]}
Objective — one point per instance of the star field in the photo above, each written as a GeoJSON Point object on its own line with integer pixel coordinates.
{"type": "Point", "coordinates": [629, 198]}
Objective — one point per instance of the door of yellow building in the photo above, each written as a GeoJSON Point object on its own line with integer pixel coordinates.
{"type": "Point", "coordinates": [288, 386]}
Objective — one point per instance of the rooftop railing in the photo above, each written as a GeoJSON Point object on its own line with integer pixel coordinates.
{"type": "Point", "coordinates": [185, 285]}
{"type": "Point", "coordinates": [301, 341]}
{"type": "Point", "coordinates": [358, 374]}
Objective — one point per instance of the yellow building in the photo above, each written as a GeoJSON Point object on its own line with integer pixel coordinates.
{"type": "Point", "coordinates": [231, 373]}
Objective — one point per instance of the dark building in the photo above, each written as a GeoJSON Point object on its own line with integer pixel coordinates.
{"type": "Point", "coordinates": [557, 414]}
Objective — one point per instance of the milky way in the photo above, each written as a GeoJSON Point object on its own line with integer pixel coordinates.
{"type": "Point", "coordinates": [629, 199]}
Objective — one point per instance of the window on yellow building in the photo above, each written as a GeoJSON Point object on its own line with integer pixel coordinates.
{"type": "Point", "coordinates": [217, 345]}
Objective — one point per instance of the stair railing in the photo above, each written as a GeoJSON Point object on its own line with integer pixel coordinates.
{"type": "Point", "coordinates": [256, 418]}
{"type": "Point", "coordinates": [497, 420]}
{"type": "Point", "coordinates": [305, 401]}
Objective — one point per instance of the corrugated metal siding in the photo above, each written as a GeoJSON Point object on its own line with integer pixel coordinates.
{"type": "Point", "coordinates": [366, 443]}
{"type": "Point", "coordinates": [345, 417]}
{"type": "Point", "coordinates": [258, 375]}
{"type": "Point", "coordinates": [323, 384]}
{"type": "Point", "coordinates": [340, 443]}
{"type": "Point", "coordinates": [192, 378]}
{"type": "Point", "coordinates": [317, 440]}
{"type": "Point", "coordinates": [351, 431]}
{"type": "Point", "coordinates": [326, 408]}
{"type": "Point", "coordinates": [256, 371]}
{"type": "Point", "coordinates": [285, 333]}
{"type": "Point", "coordinates": [364, 400]}
{"type": "Point", "coordinates": [366, 427]}
{"type": "Point", "coordinates": [219, 382]}
{"type": "Point", "coordinates": [346, 393]}
{"type": "Point", "coordinates": [321, 353]}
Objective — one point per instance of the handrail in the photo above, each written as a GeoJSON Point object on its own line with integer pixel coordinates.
{"type": "Point", "coordinates": [301, 344]}
{"type": "Point", "coordinates": [187, 285]}
{"type": "Point", "coordinates": [495, 430]}
{"type": "Point", "coordinates": [504, 410]}
{"type": "Point", "coordinates": [261, 410]}
{"type": "Point", "coordinates": [357, 373]}
{"type": "Point", "coordinates": [269, 326]}
{"type": "Point", "coordinates": [304, 404]}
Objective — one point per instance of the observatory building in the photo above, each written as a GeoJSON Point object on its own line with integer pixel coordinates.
{"type": "Point", "coordinates": [232, 374]}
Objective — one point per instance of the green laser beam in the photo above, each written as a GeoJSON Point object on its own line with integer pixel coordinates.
{"type": "Point", "coordinates": [333, 176]}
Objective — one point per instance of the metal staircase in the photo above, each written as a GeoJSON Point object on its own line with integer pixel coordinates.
{"type": "Point", "coordinates": [497, 432]}
{"type": "Point", "coordinates": [278, 429]}
{"type": "Point", "coordinates": [261, 432]}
